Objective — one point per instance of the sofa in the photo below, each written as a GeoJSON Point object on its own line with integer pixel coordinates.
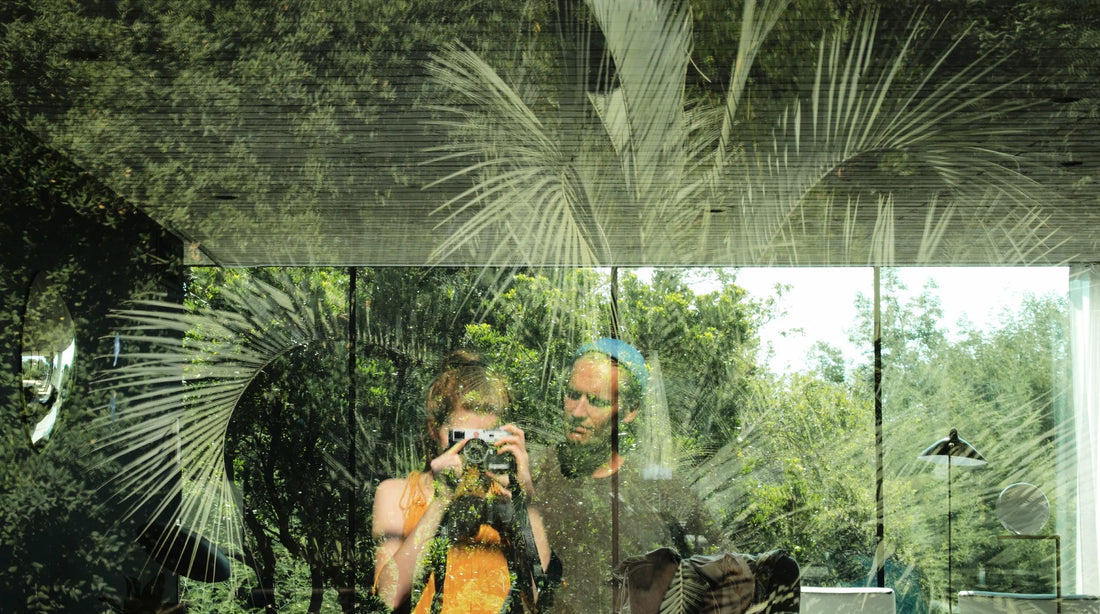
{"type": "Point", "coordinates": [986, 602]}
{"type": "Point", "coordinates": [847, 600]}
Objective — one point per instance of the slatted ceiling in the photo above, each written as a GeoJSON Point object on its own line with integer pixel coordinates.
{"type": "Point", "coordinates": [249, 213]}
{"type": "Point", "coordinates": [406, 233]}
{"type": "Point", "coordinates": [359, 217]}
{"type": "Point", "coordinates": [395, 236]}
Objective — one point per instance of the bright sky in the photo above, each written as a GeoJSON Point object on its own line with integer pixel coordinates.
{"type": "Point", "coordinates": [821, 301]}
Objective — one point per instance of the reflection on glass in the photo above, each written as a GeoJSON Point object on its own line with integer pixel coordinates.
{"type": "Point", "coordinates": [49, 349]}
{"type": "Point", "coordinates": [483, 537]}
{"type": "Point", "coordinates": [772, 454]}
{"type": "Point", "coordinates": [802, 453]}
{"type": "Point", "coordinates": [1023, 508]}
{"type": "Point", "coordinates": [983, 350]}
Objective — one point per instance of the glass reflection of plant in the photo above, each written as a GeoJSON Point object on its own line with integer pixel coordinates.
{"type": "Point", "coordinates": [255, 395]}
{"type": "Point", "coordinates": [633, 159]}
{"type": "Point", "coordinates": [177, 396]}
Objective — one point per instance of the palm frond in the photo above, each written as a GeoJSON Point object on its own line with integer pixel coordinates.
{"type": "Point", "coordinates": [655, 137]}
{"type": "Point", "coordinates": [650, 42]}
{"type": "Point", "coordinates": [686, 591]}
{"type": "Point", "coordinates": [637, 165]}
{"type": "Point", "coordinates": [552, 187]}
{"type": "Point", "coordinates": [527, 191]}
{"type": "Point", "coordinates": [943, 124]}
{"type": "Point", "coordinates": [755, 26]}
{"type": "Point", "coordinates": [177, 396]}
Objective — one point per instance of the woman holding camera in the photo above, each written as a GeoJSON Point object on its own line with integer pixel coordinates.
{"type": "Point", "coordinates": [452, 520]}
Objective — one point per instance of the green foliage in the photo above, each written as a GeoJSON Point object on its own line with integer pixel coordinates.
{"type": "Point", "coordinates": [1000, 384]}
{"type": "Point", "coordinates": [63, 543]}
{"type": "Point", "coordinates": [780, 461]}
{"type": "Point", "coordinates": [150, 95]}
{"type": "Point", "coordinates": [804, 461]}
{"type": "Point", "coordinates": [84, 75]}
{"type": "Point", "coordinates": [61, 549]}
{"type": "Point", "coordinates": [778, 68]}
{"type": "Point", "coordinates": [287, 445]}
{"type": "Point", "coordinates": [706, 345]}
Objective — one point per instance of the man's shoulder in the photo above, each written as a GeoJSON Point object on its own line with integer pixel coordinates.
{"type": "Point", "coordinates": [543, 460]}
{"type": "Point", "coordinates": [547, 476]}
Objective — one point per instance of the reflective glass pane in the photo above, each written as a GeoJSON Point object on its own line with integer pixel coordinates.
{"type": "Point", "coordinates": [982, 353]}
{"type": "Point", "coordinates": [447, 389]}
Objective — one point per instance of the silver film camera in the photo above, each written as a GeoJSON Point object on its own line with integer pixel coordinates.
{"type": "Point", "coordinates": [481, 451]}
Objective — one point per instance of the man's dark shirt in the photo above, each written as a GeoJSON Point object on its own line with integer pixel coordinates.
{"type": "Point", "coordinates": [577, 513]}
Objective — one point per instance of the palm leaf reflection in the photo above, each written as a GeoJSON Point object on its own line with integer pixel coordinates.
{"type": "Point", "coordinates": [178, 395]}
{"type": "Point", "coordinates": [634, 161]}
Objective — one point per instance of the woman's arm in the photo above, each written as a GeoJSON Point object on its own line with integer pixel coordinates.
{"type": "Point", "coordinates": [397, 557]}
{"type": "Point", "coordinates": [539, 531]}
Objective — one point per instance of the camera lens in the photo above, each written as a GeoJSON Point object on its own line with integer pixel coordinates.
{"type": "Point", "coordinates": [475, 451]}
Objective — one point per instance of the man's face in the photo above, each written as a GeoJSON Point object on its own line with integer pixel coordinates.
{"type": "Point", "coordinates": [588, 400]}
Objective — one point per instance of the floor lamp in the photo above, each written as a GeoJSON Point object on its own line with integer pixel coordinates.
{"type": "Point", "coordinates": [951, 451]}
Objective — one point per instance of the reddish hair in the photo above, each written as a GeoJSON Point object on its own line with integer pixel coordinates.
{"type": "Point", "coordinates": [464, 381]}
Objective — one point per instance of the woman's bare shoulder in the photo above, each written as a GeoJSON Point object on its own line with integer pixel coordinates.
{"type": "Point", "coordinates": [391, 491]}
{"type": "Point", "coordinates": [388, 515]}
{"type": "Point", "coordinates": [392, 484]}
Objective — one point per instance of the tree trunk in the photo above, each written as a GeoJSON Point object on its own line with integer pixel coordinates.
{"type": "Point", "coordinates": [317, 581]}
{"type": "Point", "coordinates": [347, 599]}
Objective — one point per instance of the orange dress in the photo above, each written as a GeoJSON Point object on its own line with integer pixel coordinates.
{"type": "Point", "coordinates": [477, 574]}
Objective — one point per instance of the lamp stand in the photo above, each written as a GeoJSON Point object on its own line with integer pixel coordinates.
{"type": "Point", "coordinates": [950, 552]}
{"type": "Point", "coordinates": [951, 450]}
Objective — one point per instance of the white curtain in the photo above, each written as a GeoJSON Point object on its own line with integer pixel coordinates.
{"type": "Point", "coordinates": [1084, 294]}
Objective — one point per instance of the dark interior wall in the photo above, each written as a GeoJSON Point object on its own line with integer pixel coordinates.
{"type": "Point", "coordinates": [59, 545]}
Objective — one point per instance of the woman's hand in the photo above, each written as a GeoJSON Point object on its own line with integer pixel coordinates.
{"type": "Point", "coordinates": [446, 468]}
{"type": "Point", "coordinates": [516, 444]}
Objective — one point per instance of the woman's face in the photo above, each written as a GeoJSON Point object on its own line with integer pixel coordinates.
{"type": "Point", "coordinates": [462, 418]}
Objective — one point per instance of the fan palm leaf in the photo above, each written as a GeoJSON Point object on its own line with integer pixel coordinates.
{"type": "Point", "coordinates": [176, 397]}
{"type": "Point", "coordinates": [639, 164]}
{"type": "Point", "coordinates": [555, 185]}
{"type": "Point", "coordinates": [855, 115]}
{"type": "Point", "coordinates": [651, 52]}
{"type": "Point", "coordinates": [527, 189]}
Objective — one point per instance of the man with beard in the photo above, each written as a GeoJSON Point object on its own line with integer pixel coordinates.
{"type": "Point", "coordinates": [597, 507]}
{"type": "Point", "coordinates": [605, 390]}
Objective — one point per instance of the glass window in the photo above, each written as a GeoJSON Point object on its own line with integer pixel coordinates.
{"type": "Point", "coordinates": [704, 410]}
{"type": "Point", "coordinates": [981, 352]}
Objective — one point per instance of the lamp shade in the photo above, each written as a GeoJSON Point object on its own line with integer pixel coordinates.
{"type": "Point", "coordinates": [953, 450]}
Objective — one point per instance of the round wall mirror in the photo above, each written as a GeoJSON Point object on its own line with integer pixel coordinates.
{"type": "Point", "coordinates": [48, 352]}
{"type": "Point", "coordinates": [1023, 508]}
